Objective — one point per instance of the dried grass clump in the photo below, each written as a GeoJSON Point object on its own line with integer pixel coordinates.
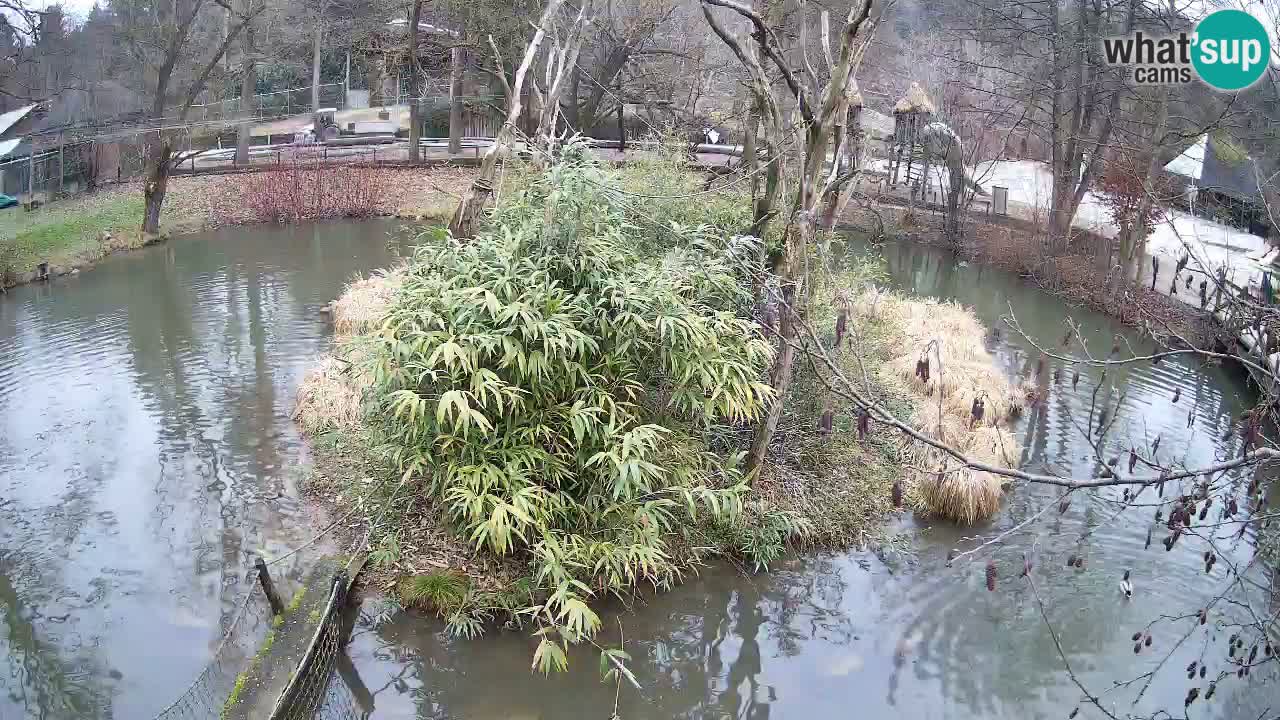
{"type": "Point", "coordinates": [962, 496]}
{"type": "Point", "coordinates": [328, 398]}
{"type": "Point", "coordinates": [331, 394]}
{"type": "Point", "coordinates": [362, 306]}
{"type": "Point", "coordinates": [960, 371]}
{"type": "Point", "coordinates": [914, 101]}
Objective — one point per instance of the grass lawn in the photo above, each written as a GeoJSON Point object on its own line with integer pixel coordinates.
{"type": "Point", "coordinates": [66, 233]}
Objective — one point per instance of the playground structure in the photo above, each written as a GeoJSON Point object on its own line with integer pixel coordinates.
{"type": "Point", "coordinates": [921, 144]}
{"type": "Point", "coordinates": [907, 162]}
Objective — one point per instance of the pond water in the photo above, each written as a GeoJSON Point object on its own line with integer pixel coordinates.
{"type": "Point", "coordinates": [849, 634]}
{"type": "Point", "coordinates": [147, 454]}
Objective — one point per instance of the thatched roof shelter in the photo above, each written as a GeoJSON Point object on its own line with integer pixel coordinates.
{"type": "Point", "coordinates": [915, 101]}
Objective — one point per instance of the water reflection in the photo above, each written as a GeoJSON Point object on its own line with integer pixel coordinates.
{"type": "Point", "coordinates": [146, 453]}
{"type": "Point", "coordinates": [845, 634]}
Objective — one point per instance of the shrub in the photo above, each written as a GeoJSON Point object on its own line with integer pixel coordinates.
{"type": "Point", "coordinates": [8, 264]}
{"type": "Point", "coordinates": [664, 199]}
{"type": "Point", "coordinates": [552, 384]}
{"type": "Point", "coordinates": [1124, 192]}
{"type": "Point", "coordinates": [764, 538]}
{"type": "Point", "coordinates": [314, 191]}
{"type": "Point", "coordinates": [441, 591]}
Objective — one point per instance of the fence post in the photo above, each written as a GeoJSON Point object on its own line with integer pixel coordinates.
{"type": "Point", "coordinates": [268, 587]}
{"type": "Point", "coordinates": [62, 167]}
{"type": "Point", "coordinates": [31, 174]}
{"type": "Point", "coordinates": [622, 126]}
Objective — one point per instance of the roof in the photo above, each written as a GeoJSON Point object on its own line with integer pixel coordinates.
{"type": "Point", "coordinates": [914, 101]}
{"type": "Point", "coordinates": [1189, 162]}
{"type": "Point", "coordinates": [1217, 166]}
{"type": "Point", "coordinates": [11, 118]}
{"type": "Point", "coordinates": [1229, 172]}
{"type": "Point", "coordinates": [8, 146]}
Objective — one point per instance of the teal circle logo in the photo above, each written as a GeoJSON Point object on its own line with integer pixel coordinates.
{"type": "Point", "coordinates": [1231, 50]}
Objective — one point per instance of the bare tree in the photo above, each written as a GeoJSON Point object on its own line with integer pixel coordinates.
{"type": "Point", "coordinates": [623, 32]}
{"type": "Point", "coordinates": [248, 81]}
{"type": "Point", "coordinates": [1047, 55]}
{"type": "Point", "coordinates": [415, 102]}
{"type": "Point", "coordinates": [180, 45]}
{"type": "Point", "coordinates": [36, 57]}
{"type": "Point", "coordinates": [822, 106]}
{"type": "Point", "coordinates": [476, 201]}
{"type": "Point", "coordinates": [457, 67]}
{"type": "Point", "coordinates": [561, 62]}
{"type": "Point", "coordinates": [318, 29]}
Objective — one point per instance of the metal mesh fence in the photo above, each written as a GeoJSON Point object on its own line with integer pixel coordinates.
{"type": "Point", "coordinates": [310, 686]}
{"type": "Point", "coordinates": [53, 170]}
{"type": "Point", "coordinates": [346, 697]}
{"type": "Point", "coordinates": [242, 635]}
{"type": "Point", "coordinates": [275, 104]}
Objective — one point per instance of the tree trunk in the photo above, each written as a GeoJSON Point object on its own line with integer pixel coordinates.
{"type": "Point", "coordinates": [31, 173]}
{"type": "Point", "coordinates": [456, 65]}
{"type": "Point", "coordinates": [799, 234]}
{"type": "Point", "coordinates": [845, 159]}
{"type": "Point", "coordinates": [1059, 216]}
{"type": "Point", "coordinates": [415, 103]}
{"type": "Point", "coordinates": [373, 81]}
{"type": "Point", "coordinates": [765, 204]}
{"type": "Point", "coordinates": [955, 189]}
{"type": "Point", "coordinates": [622, 124]}
{"type": "Point", "coordinates": [415, 130]}
{"type": "Point", "coordinates": [1128, 250]}
{"type": "Point", "coordinates": [749, 130]}
{"type": "Point", "coordinates": [589, 110]}
{"type": "Point", "coordinates": [1139, 230]}
{"type": "Point", "coordinates": [573, 111]}
{"type": "Point", "coordinates": [157, 171]}
{"type": "Point", "coordinates": [315, 66]}
{"type": "Point", "coordinates": [857, 141]}
{"type": "Point", "coordinates": [467, 215]}
{"type": "Point", "coordinates": [248, 80]}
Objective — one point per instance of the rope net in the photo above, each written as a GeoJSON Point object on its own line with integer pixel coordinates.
{"type": "Point", "coordinates": [242, 634]}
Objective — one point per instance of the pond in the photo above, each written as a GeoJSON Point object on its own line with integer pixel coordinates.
{"type": "Point", "coordinates": [147, 455]}
{"type": "Point", "coordinates": [852, 634]}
